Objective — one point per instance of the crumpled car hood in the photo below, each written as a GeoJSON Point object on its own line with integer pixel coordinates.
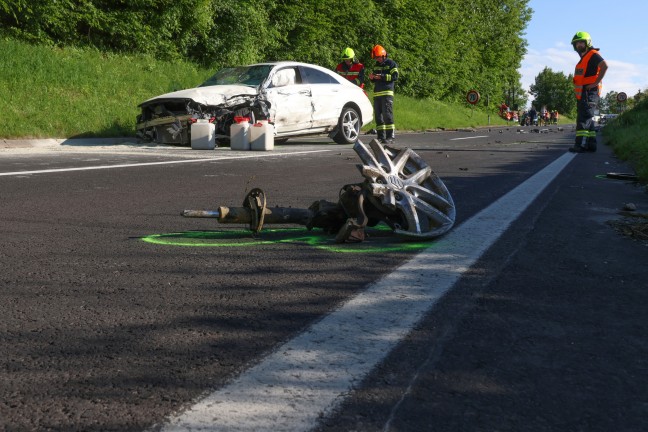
{"type": "Point", "coordinates": [210, 95]}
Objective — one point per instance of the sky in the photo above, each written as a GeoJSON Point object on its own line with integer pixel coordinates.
{"type": "Point", "coordinates": [618, 27]}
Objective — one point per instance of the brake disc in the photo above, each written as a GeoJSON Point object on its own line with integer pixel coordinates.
{"type": "Point", "coordinates": [404, 188]}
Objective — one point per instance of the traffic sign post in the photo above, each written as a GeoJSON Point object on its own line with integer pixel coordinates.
{"type": "Point", "coordinates": [472, 97]}
{"type": "Point", "coordinates": [622, 98]}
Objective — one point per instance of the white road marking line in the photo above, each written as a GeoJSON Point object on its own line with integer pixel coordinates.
{"type": "Point", "coordinates": [472, 137]}
{"type": "Point", "coordinates": [307, 377]}
{"type": "Point", "coordinates": [216, 159]}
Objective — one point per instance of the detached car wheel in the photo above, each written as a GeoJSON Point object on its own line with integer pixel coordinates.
{"type": "Point", "coordinates": [348, 127]}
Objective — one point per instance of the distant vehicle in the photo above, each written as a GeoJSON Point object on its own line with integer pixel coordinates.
{"type": "Point", "coordinates": [605, 118]}
{"type": "Point", "coordinates": [298, 98]}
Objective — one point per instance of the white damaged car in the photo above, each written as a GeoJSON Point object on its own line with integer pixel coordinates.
{"type": "Point", "coordinates": [297, 98]}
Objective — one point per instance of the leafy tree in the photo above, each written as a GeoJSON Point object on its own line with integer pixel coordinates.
{"type": "Point", "coordinates": [443, 47]}
{"type": "Point", "coordinates": [501, 46]}
{"type": "Point", "coordinates": [640, 96]}
{"type": "Point", "coordinates": [428, 63]}
{"type": "Point", "coordinates": [318, 31]}
{"type": "Point", "coordinates": [239, 33]}
{"type": "Point", "coordinates": [10, 10]}
{"type": "Point", "coordinates": [609, 103]}
{"type": "Point", "coordinates": [554, 90]}
{"type": "Point", "coordinates": [514, 95]}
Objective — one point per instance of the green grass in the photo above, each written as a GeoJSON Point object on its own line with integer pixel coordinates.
{"type": "Point", "coordinates": [423, 114]}
{"type": "Point", "coordinates": [61, 93]}
{"type": "Point", "coordinates": [412, 114]}
{"type": "Point", "coordinates": [627, 136]}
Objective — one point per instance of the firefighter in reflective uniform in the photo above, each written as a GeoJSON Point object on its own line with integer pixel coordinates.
{"type": "Point", "coordinates": [350, 68]}
{"type": "Point", "coordinates": [384, 75]}
{"type": "Point", "coordinates": [589, 73]}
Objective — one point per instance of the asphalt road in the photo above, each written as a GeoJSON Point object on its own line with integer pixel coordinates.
{"type": "Point", "coordinates": [117, 314]}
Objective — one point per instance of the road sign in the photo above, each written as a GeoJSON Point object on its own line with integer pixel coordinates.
{"type": "Point", "coordinates": [622, 97]}
{"type": "Point", "coordinates": [472, 97]}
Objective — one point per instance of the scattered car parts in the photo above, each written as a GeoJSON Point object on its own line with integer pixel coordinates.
{"type": "Point", "coordinates": [399, 189]}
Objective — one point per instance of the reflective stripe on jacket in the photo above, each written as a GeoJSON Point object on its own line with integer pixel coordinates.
{"type": "Point", "coordinates": [388, 70]}
{"type": "Point", "coordinates": [581, 79]}
{"type": "Point", "coordinates": [354, 73]}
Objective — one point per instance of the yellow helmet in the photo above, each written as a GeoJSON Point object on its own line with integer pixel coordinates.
{"type": "Point", "coordinates": [582, 36]}
{"type": "Point", "coordinates": [348, 54]}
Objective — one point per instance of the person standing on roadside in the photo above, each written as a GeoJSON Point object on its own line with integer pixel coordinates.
{"type": "Point", "coordinates": [589, 73]}
{"type": "Point", "coordinates": [383, 76]}
{"type": "Point", "coordinates": [533, 114]}
{"type": "Point", "coordinates": [350, 68]}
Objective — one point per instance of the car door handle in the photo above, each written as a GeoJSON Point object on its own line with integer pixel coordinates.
{"type": "Point", "coordinates": [305, 92]}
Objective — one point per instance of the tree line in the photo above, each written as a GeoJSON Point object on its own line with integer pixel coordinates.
{"type": "Point", "coordinates": [555, 90]}
{"type": "Point", "coordinates": [443, 47]}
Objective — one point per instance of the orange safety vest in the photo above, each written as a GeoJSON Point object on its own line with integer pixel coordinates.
{"type": "Point", "coordinates": [580, 80]}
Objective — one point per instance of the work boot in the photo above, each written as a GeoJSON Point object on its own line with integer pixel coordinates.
{"type": "Point", "coordinates": [577, 149]}
{"type": "Point", "coordinates": [390, 137]}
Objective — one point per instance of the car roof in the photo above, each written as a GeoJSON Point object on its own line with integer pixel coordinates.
{"type": "Point", "coordinates": [283, 62]}
{"type": "Point", "coordinates": [291, 63]}
{"type": "Point", "coordinates": [334, 75]}
{"type": "Point", "coordinates": [339, 78]}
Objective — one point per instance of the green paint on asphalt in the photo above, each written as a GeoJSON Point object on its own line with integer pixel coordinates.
{"type": "Point", "coordinates": [380, 239]}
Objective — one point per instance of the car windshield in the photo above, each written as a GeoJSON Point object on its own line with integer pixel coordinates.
{"type": "Point", "coordinates": [245, 75]}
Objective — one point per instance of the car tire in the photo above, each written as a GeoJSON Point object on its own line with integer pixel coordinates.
{"type": "Point", "coordinates": [348, 128]}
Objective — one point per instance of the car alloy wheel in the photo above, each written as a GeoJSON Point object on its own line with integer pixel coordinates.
{"type": "Point", "coordinates": [348, 127]}
{"type": "Point", "coordinates": [403, 187]}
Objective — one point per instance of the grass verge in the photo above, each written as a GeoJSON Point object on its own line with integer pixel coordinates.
{"type": "Point", "coordinates": [627, 136]}
{"type": "Point", "coordinates": [62, 93]}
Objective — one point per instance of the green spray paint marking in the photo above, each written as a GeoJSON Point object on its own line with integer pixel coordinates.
{"type": "Point", "coordinates": [237, 238]}
{"type": "Point", "coordinates": [379, 240]}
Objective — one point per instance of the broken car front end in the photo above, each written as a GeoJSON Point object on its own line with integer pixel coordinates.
{"type": "Point", "coordinates": [168, 120]}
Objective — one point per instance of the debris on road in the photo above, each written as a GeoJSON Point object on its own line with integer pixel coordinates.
{"type": "Point", "coordinates": [399, 189]}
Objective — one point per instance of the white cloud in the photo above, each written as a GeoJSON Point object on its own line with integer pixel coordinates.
{"type": "Point", "coordinates": [626, 77]}
{"type": "Point", "coordinates": [557, 59]}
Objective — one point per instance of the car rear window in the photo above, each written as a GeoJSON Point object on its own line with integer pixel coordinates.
{"type": "Point", "coordinates": [314, 76]}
